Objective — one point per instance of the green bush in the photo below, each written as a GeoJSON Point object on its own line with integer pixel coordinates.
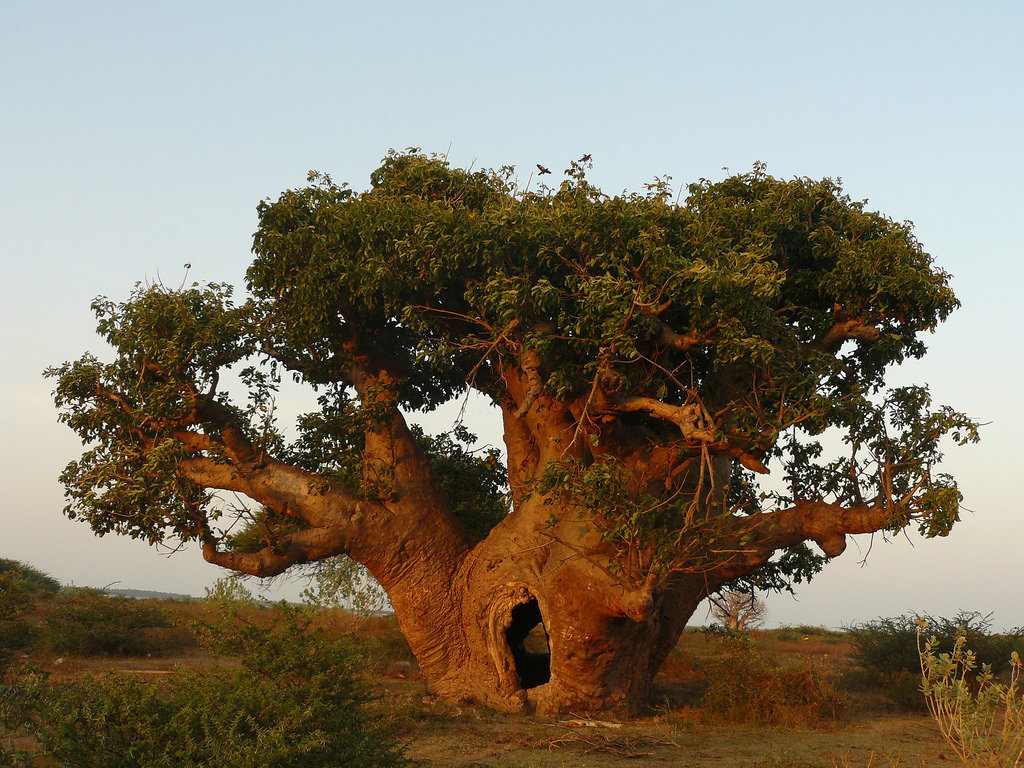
{"type": "Point", "coordinates": [746, 686]}
{"type": "Point", "coordinates": [230, 592]}
{"type": "Point", "coordinates": [17, 635]}
{"type": "Point", "coordinates": [22, 588]}
{"type": "Point", "coordinates": [297, 700]}
{"type": "Point", "coordinates": [886, 651]}
{"type": "Point", "coordinates": [88, 622]}
{"type": "Point", "coordinates": [31, 580]}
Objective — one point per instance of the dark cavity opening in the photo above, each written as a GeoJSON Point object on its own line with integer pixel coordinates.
{"type": "Point", "coordinates": [528, 640]}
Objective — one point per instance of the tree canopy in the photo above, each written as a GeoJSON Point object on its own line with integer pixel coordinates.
{"type": "Point", "coordinates": [717, 327]}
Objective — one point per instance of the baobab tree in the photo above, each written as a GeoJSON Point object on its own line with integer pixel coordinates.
{"type": "Point", "coordinates": [652, 361]}
{"type": "Point", "coordinates": [737, 609]}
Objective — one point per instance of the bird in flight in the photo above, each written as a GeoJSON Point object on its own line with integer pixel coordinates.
{"type": "Point", "coordinates": [542, 169]}
{"type": "Point", "coordinates": [585, 159]}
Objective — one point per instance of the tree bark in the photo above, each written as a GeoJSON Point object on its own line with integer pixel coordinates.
{"type": "Point", "coordinates": [605, 640]}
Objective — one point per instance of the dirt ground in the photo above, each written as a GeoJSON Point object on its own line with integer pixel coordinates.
{"type": "Point", "coordinates": [903, 741]}
{"type": "Point", "coordinates": [471, 737]}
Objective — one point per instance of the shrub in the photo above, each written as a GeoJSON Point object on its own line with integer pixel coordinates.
{"type": "Point", "coordinates": [746, 686]}
{"type": "Point", "coordinates": [297, 700]}
{"type": "Point", "coordinates": [32, 580]}
{"type": "Point", "coordinates": [89, 622]}
{"type": "Point", "coordinates": [968, 719]}
{"type": "Point", "coordinates": [22, 587]}
{"type": "Point", "coordinates": [887, 654]}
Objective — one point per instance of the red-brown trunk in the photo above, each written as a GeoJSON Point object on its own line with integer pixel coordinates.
{"type": "Point", "coordinates": [526, 624]}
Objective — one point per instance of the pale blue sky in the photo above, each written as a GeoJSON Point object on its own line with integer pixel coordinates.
{"type": "Point", "coordinates": [135, 137]}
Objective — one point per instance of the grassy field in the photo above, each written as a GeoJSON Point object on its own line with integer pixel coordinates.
{"type": "Point", "coordinates": [854, 724]}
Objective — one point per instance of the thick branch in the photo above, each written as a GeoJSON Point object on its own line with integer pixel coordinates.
{"type": "Point", "coordinates": [295, 548]}
{"type": "Point", "coordinates": [691, 419]}
{"type": "Point", "coordinates": [825, 524]}
{"type": "Point", "coordinates": [683, 342]}
{"type": "Point", "coordinates": [391, 456]}
{"type": "Point", "coordinates": [535, 385]}
{"type": "Point", "coordinates": [745, 458]}
{"type": "Point", "coordinates": [845, 327]}
{"type": "Point", "coordinates": [210, 473]}
{"type": "Point", "coordinates": [193, 441]}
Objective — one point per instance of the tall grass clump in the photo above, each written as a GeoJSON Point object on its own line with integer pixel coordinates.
{"type": "Point", "coordinates": [980, 718]}
{"type": "Point", "coordinates": [886, 650]}
{"type": "Point", "coordinates": [296, 700]}
{"type": "Point", "coordinates": [744, 685]}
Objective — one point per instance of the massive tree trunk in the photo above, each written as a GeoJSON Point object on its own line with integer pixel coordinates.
{"type": "Point", "coordinates": [602, 653]}
{"type": "Point", "coordinates": [525, 623]}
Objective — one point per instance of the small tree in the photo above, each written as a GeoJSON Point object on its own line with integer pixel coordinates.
{"type": "Point", "coordinates": [22, 587]}
{"type": "Point", "coordinates": [230, 592]}
{"type": "Point", "coordinates": [650, 362]}
{"type": "Point", "coordinates": [738, 610]}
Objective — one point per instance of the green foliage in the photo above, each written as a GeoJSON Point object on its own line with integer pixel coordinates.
{"type": "Point", "coordinates": [980, 718]}
{"type": "Point", "coordinates": [886, 649]}
{"type": "Point", "coordinates": [342, 586]}
{"type": "Point", "coordinates": [89, 622]}
{"type": "Point", "coordinates": [439, 280]}
{"type": "Point", "coordinates": [746, 686]}
{"type": "Point", "coordinates": [127, 481]}
{"type": "Point", "coordinates": [297, 700]}
{"type": "Point", "coordinates": [31, 580]}
{"type": "Point", "coordinates": [230, 592]}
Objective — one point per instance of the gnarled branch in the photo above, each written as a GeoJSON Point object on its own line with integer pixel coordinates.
{"type": "Point", "coordinates": [691, 419]}
{"type": "Point", "coordinates": [844, 328]}
{"type": "Point", "coordinates": [683, 342]}
{"type": "Point", "coordinates": [824, 523]}
{"type": "Point", "coordinates": [295, 548]}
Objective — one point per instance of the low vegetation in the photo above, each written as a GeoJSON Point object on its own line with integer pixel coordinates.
{"type": "Point", "coordinates": [21, 589]}
{"type": "Point", "coordinates": [746, 685]}
{"type": "Point", "coordinates": [231, 681]}
{"type": "Point", "coordinates": [886, 653]}
{"type": "Point", "coordinates": [295, 700]}
{"type": "Point", "coordinates": [89, 622]}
